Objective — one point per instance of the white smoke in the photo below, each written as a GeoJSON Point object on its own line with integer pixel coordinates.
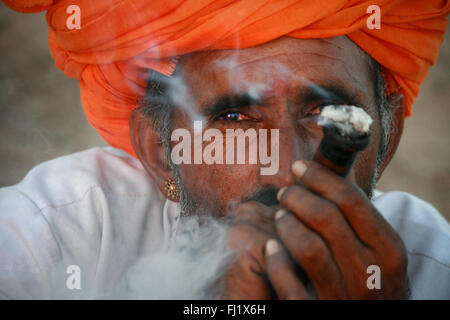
{"type": "Point", "coordinates": [188, 269]}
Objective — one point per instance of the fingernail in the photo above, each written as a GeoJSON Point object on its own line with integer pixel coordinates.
{"type": "Point", "coordinates": [279, 214]}
{"type": "Point", "coordinates": [272, 247]}
{"type": "Point", "coordinates": [299, 167]}
{"type": "Point", "coordinates": [280, 192]}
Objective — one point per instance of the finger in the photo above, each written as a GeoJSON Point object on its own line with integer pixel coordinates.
{"type": "Point", "coordinates": [255, 214]}
{"type": "Point", "coordinates": [246, 277]}
{"type": "Point", "coordinates": [325, 218]}
{"type": "Point", "coordinates": [282, 275]}
{"type": "Point", "coordinates": [310, 251]}
{"type": "Point", "coordinates": [251, 227]}
{"type": "Point", "coordinates": [364, 219]}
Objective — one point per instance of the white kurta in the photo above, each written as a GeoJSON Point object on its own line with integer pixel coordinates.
{"type": "Point", "coordinates": [99, 210]}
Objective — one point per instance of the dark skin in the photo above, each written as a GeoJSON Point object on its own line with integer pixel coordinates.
{"type": "Point", "coordinates": [328, 227]}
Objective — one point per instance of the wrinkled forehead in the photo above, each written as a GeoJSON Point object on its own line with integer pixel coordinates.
{"type": "Point", "coordinates": [278, 67]}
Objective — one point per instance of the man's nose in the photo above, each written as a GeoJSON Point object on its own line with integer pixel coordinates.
{"type": "Point", "coordinates": [292, 146]}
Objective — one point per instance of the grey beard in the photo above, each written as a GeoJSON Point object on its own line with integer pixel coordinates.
{"type": "Point", "coordinates": [373, 182]}
{"type": "Point", "coordinates": [188, 206]}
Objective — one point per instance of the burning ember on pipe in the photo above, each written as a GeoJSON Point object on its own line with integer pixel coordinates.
{"type": "Point", "coordinates": [346, 132]}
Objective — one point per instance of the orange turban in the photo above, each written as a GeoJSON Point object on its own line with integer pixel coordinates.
{"type": "Point", "coordinates": [120, 40]}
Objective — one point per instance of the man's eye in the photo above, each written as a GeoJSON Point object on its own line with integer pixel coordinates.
{"type": "Point", "coordinates": [233, 116]}
{"type": "Point", "coordinates": [316, 110]}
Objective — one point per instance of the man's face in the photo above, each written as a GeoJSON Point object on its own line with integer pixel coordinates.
{"type": "Point", "coordinates": [279, 85]}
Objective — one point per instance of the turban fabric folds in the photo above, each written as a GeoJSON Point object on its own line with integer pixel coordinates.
{"type": "Point", "coordinates": [121, 40]}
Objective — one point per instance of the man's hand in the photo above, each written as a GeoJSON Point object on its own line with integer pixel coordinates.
{"type": "Point", "coordinates": [252, 226]}
{"type": "Point", "coordinates": [331, 229]}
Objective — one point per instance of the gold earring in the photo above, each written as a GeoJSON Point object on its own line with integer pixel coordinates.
{"type": "Point", "coordinates": [171, 189]}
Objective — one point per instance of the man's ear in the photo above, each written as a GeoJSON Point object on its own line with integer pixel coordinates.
{"type": "Point", "coordinates": [150, 151]}
{"type": "Point", "coordinates": [395, 100]}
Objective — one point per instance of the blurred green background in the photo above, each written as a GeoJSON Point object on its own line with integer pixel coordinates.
{"type": "Point", "coordinates": [41, 116]}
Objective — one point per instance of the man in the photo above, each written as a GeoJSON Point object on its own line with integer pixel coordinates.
{"type": "Point", "coordinates": [301, 232]}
